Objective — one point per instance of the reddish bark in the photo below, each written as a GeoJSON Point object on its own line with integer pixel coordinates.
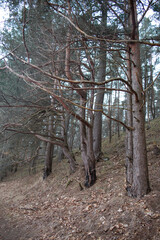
{"type": "Point", "coordinates": [140, 182]}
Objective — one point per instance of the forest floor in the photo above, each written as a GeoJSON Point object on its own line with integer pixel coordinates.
{"type": "Point", "coordinates": [58, 208]}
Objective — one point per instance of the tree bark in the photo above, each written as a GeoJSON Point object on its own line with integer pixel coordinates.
{"type": "Point", "coordinates": [72, 133]}
{"type": "Point", "coordinates": [34, 158]}
{"type": "Point", "coordinates": [87, 152]}
{"type": "Point", "coordinates": [152, 104]}
{"type": "Point", "coordinates": [86, 139]}
{"type": "Point", "coordinates": [71, 158]}
{"type": "Point", "coordinates": [60, 154]}
{"type": "Point", "coordinates": [129, 135]}
{"type": "Point", "coordinates": [97, 126]}
{"type": "Point", "coordinates": [110, 114]}
{"type": "Point", "coordinates": [49, 150]}
{"type": "Point", "coordinates": [140, 182]}
{"type": "Point", "coordinates": [69, 154]}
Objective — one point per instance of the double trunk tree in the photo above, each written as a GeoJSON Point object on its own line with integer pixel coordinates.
{"type": "Point", "coordinates": [87, 153]}
{"type": "Point", "coordinates": [86, 130]}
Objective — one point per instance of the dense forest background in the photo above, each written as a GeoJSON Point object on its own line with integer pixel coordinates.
{"type": "Point", "coordinates": [73, 73]}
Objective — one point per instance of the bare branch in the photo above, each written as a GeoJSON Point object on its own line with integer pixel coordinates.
{"type": "Point", "coordinates": [145, 90]}
{"type": "Point", "coordinates": [24, 25]}
{"type": "Point", "coordinates": [101, 39]}
{"type": "Point", "coordinates": [58, 98]}
{"type": "Point", "coordinates": [74, 81]}
{"type": "Point", "coordinates": [150, 3]}
{"type": "Point", "coordinates": [100, 110]}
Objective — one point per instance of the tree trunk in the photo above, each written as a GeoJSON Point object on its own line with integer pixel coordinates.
{"type": "Point", "coordinates": [152, 90]}
{"type": "Point", "coordinates": [97, 126]}
{"type": "Point", "coordinates": [110, 114]}
{"type": "Point", "coordinates": [71, 158]}
{"type": "Point", "coordinates": [86, 141]}
{"type": "Point", "coordinates": [69, 154]}
{"type": "Point", "coordinates": [49, 150]}
{"type": "Point", "coordinates": [34, 158]}
{"type": "Point", "coordinates": [87, 152]}
{"type": "Point", "coordinates": [140, 183]}
{"type": "Point", "coordinates": [118, 125]}
{"type": "Point", "coordinates": [72, 133]}
{"type": "Point", "coordinates": [60, 154]}
{"type": "Point", "coordinates": [129, 135]}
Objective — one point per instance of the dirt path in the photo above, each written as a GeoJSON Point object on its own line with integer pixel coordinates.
{"type": "Point", "coordinates": [8, 228]}
{"type": "Point", "coordinates": [11, 226]}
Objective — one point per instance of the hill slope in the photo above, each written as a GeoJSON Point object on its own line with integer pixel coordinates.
{"type": "Point", "coordinates": [58, 208]}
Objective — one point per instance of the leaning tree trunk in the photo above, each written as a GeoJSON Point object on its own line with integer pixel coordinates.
{"type": "Point", "coordinates": [140, 183]}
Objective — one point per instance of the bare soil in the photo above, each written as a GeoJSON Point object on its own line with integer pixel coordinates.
{"type": "Point", "coordinates": [57, 208]}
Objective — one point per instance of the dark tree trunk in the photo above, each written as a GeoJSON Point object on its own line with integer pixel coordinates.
{"type": "Point", "coordinates": [49, 150]}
